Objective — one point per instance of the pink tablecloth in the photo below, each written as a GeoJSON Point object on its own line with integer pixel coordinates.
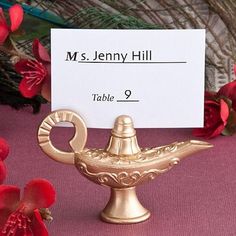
{"type": "Point", "coordinates": [197, 197]}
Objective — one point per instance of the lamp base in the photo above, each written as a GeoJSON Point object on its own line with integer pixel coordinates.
{"type": "Point", "coordinates": [124, 207]}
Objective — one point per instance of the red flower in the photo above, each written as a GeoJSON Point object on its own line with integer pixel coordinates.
{"type": "Point", "coordinates": [216, 114]}
{"type": "Point", "coordinates": [36, 73]}
{"type": "Point", "coordinates": [16, 14]}
{"type": "Point", "coordinates": [22, 217]}
{"type": "Point", "coordinates": [4, 150]}
{"type": "Point", "coordinates": [229, 91]}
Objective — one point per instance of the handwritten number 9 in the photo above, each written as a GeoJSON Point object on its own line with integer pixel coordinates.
{"type": "Point", "coordinates": [127, 93]}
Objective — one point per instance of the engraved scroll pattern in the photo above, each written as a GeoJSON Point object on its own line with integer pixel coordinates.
{"type": "Point", "coordinates": [123, 179]}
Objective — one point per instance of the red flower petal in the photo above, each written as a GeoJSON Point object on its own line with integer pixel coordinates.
{"type": "Point", "coordinates": [38, 193]}
{"type": "Point", "coordinates": [4, 149]}
{"type": "Point", "coordinates": [2, 17]}
{"type": "Point", "coordinates": [202, 132]}
{"type": "Point", "coordinates": [38, 227]}
{"type": "Point", "coordinates": [16, 14]}
{"type": "Point", "coordinates": [4, 213]}
{"type": "Point", "coordinates": [3, 33]}
{"type": "Point", "coordinates": [2, 172]}
{"type": "Point", "coordinates": [199, 132]}
{"type": "Point", "coordinates": [209, 95]}
{"type": "Point", "coordinates": [216, 114]}
{"type": "Point", "coordinates": [217, 131]}
{"type": "Point", "coordinates": [228, 90]}
{"type": "Point", "coordinates": [22, 65]}
{"type": "Point", "coordinates": [34, 73]}
{"type": "Point", "coordinates": [21, 232]}
{"type": "Point", "coordinates": [211, 103]}
{"type": "Point", "coordinates": [224, 111]}
{"type": "Point", "coordinates": [27, 90]}
{"type": "Point", "coordinates": [208, 133]}
{"type": "Point", "coordinates": [46, 90]}
{"type": "Point", "coordinates": [4, 30]}
{"type": "Point", "coordinates": [40, 52]}
{"type": "Point", "coordinates": [9, 197]}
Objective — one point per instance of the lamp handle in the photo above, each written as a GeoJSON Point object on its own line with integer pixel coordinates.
{"type": "Point", "coordinates": [77, 143]}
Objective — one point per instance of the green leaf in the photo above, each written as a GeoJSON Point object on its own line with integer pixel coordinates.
{"type": "Point", "coordinates": [93, 17]}
{"type": "Point", "coordinates": [230, 128]}
{"type": "Point", "coordinates": [228, 131]}
{"type": "Point", "coordinates": [31, 28]}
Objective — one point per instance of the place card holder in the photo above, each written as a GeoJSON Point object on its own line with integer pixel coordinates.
{"type": "Point", "coordinates": [121, 165]}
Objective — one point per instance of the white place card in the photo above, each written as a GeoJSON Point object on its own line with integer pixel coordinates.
{"type": "Point", "coordinates": [154, 76]}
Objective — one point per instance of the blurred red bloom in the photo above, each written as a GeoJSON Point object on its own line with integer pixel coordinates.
{"type": "Point", "coordinates": [22, 217]}
{"type": "Point", "coordinates": [16, 14]}
{"type": "Point", "coordinates": [4, 150]}
{"type": "Point", "coordinates": [229, 91]}
{"type": "Point", "coordinates": [216, 114]}
{"type": "Point", "coordinates": [36, 73]}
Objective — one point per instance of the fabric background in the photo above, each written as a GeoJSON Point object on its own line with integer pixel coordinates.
{"type": "Point", "coordinates": [197, 197]}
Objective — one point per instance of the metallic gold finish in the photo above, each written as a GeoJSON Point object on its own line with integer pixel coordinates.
{"type": "Point", "coordinates": [123, 140]}
{"type": "Point", "coordinates": [124, 207]}
{"type": "Point", "coordinates": [122, 165]}
{"type": "Point", "coordinates": [77, 143]}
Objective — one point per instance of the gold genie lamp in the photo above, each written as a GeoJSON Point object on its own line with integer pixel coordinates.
{"type": "Point", "coordinates": [122, 165]}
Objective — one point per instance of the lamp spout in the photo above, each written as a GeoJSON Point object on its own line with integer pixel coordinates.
{"type": "Point", "coordinates": [170, 155]}
{"type": "Point", "coordinates": [187, 148]}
